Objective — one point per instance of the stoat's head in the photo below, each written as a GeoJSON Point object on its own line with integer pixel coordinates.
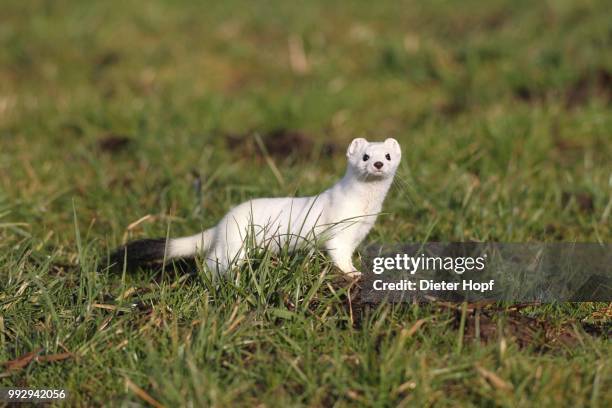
{"type": "Point", "coordinates": [372, 161]}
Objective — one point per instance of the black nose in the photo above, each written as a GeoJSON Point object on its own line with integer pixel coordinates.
{"type": "Point", "coordinates": [378, 165]}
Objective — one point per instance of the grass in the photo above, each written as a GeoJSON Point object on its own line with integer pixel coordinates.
{"type": "Point", "coordinates": [503, 112]}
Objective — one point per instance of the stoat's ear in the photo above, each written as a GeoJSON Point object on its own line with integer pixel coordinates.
{"type": "Point", "coordinates": [393, 143]}
{"type": "Point", "coordinates": [355, 145]}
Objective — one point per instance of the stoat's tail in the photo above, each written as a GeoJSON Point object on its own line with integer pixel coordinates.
{"type": "Point", "coordinates": [144, 251]}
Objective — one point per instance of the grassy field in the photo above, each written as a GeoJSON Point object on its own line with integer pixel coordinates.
{"type": "Point", "coordinates": [124, 119]}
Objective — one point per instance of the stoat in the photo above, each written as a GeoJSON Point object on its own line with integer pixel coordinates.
{"type": "Point", "coordinates": [338, 219]}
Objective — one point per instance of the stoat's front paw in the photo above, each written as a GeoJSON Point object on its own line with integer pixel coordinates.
{"type": "Point", "coordinates": [353, 274]}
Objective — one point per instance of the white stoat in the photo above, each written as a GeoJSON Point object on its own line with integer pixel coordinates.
{"type": "Point", "coordinates": [338, 219]}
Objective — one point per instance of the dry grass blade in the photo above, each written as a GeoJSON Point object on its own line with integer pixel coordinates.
{"type": "Point", "coordinates": [269, 161]}
{"type": "Point", "coordinates": [297, 55]}
{"type": "Point", "coordinates": [139, 221]}
{"type": "Point", "coordinates": [22, 361]}
{"type": "Point", "coordinates": [354, 395]}
{"type": "Point", "coordinates": [103, 306]}
{"type": "Point", "coordinates": [55, 357]}
{"type": "Point", "coordinates": [412, 330]}
{"type": "Point", "coordinates": [495, 380]}
{"type": "Point", "coordinates": [142, 394]}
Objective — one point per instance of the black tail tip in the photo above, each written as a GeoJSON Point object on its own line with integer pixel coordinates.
{"type": "Point", "coordinates": [137, 253]}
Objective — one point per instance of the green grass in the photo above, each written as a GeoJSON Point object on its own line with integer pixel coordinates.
{"type": "Point", "coordinates": [503, 112]}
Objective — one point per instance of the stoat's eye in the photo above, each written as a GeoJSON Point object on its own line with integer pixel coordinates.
{"type": "Point", "coordinates": [388, 156]}
{"type": "Point", "coordinates": [366, 157]}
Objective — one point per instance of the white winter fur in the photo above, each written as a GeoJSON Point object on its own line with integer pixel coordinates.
{"type": "Point", "coordinates": [338, 219]}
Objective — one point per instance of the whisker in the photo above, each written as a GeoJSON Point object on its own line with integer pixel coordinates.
{"type": "Point", "coordinates": [405, 187]}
